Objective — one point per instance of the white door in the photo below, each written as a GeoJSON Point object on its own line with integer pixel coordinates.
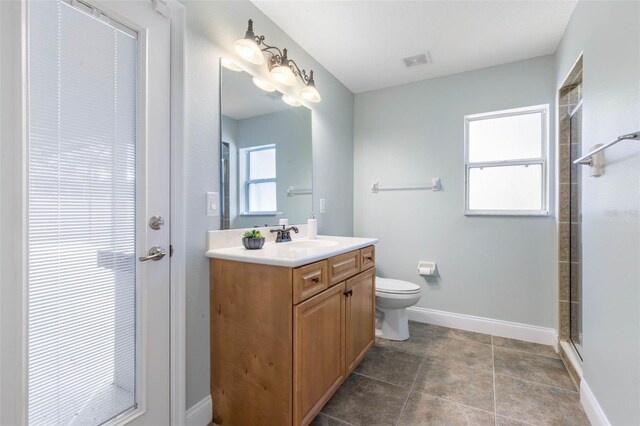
{"type": "Point", "coordinates": [99, 170]}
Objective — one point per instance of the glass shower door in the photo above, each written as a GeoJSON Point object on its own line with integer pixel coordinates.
{"type": "Point", "coordinates": [575, 232]}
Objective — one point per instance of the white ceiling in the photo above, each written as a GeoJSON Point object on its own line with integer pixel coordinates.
{"type": "Point", "coordinates": [362, 43]}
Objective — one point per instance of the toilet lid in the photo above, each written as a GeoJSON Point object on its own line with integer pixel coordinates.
{"type": "Point", "coordinates": [387, 285]}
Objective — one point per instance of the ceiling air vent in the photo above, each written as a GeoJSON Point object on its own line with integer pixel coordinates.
{"type": "Point", "coordinates": [422, 59]}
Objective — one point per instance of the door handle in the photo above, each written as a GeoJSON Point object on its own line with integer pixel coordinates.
{"type": "Point", "coordinates": [155, 253]}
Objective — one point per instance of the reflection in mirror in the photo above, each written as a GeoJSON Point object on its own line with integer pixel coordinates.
{"type": "Point", "coordinates": [265, 152]}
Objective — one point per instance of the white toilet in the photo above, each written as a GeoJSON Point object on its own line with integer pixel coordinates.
{"type": "Point", "coordinates": [393, 297]}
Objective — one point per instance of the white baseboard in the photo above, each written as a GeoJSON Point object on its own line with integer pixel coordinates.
{"type": "Point", "coordinates": [591, 406]}
{"type": "Point", "coordinates": [512, 330]}
{"type": "Point", "coordinates": [200, 414]}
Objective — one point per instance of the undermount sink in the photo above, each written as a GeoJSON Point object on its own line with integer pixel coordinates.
{"type": "Point", "coordinates": [311, 243]}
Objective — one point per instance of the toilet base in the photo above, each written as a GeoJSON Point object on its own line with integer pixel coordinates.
{"type": "Point", "coordinates": [392, 324]}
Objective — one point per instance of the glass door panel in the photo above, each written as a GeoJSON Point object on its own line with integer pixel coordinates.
{"type": "Point", "coordinates": [83, 82]}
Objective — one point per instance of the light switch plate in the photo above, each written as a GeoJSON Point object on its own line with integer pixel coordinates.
{"type": "Point", "coordinates": [323, 205]}
{"type": "Point", "coordinates": [213, 204]}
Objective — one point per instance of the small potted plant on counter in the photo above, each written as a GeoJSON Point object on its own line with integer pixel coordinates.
{"type": "Point", "coordinates": [252, 240]}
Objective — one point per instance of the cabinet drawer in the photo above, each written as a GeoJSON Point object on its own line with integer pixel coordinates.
{"type": "Point", "coordinates": [367, 258]}
{"type": "Point", "coordinates": [343, 266]}
{"type": "Point", "coordinates": [309, 280]}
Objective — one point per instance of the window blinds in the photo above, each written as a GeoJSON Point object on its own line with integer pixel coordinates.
{"type": "Point", "coordinates": [82, 207]}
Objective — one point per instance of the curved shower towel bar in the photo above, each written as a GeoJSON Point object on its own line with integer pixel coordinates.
{"type": "Point", "coordinates": [587, 160]}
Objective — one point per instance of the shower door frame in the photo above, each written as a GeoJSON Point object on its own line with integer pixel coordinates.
{"type": "Point", "coordinates": [578, 182]}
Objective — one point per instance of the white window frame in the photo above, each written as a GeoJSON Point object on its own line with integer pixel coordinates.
{"type": "Point", "coordinates": [542, 160]}
{"type": "Point", "coordinates": [248, 181]}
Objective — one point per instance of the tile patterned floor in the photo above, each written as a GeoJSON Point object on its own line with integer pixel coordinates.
{"type": "Point", "coordinates": [444, 376]}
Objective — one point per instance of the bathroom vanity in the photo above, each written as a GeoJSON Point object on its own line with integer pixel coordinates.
{"type": "Point", "coordinates": [289, 323]}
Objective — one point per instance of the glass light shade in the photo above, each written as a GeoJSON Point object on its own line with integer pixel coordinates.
{"type": "Point", "coordinates": [284, 75]}
{"type": "Point", "coordinates": [267, 87]}
{"type": "Point", "coordinates": [291, 101]}
{"type": "Point", "coordinates": [249, 50]}
{"type": "Point", "coordinates": [230, 65]}
{"type": "Point", "coordinates": [310, 93]}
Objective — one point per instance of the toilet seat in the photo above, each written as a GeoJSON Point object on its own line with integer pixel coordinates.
{"type": "Point", "coordinates": [391, 286]}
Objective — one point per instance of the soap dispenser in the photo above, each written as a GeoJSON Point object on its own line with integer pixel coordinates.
{"type": "Point", "coordinates": [312, 227]}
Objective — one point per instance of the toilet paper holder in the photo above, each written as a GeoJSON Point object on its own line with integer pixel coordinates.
{"type": "Point", "coordinates": [427, 269]}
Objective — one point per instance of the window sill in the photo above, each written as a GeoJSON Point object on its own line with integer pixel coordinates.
{"type": "Point", "coordinates": [531, 213]}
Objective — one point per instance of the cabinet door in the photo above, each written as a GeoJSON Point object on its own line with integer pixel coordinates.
{"type": "Point", "coordinates": [360, 317]}
{"type": "Point", "coordinates": [318, 352]}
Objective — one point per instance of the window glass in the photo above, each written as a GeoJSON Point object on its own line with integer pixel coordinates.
{"type": "Point", "coordinates": [505, 138]}
{"type": "Point", "coordinates": [262, 197]}
{"type": "Point", "coordinates": [505, 188]}
{"type": "Point", "coordinates": [262, 164]}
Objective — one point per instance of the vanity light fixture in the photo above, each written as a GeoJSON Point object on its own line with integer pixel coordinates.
{"type": "Point", "coordinates": [309, 92]}
{"type": "Point", "coordinates": [282, 69]}
{"type": "Point", "coordinates": [248, 48]}
{"type": "Point", "coordinates": [267, 87]}
{"type": "Point", "coordinates": [291, 101]}
{"type": "Point", "coordinates": [230, 65]}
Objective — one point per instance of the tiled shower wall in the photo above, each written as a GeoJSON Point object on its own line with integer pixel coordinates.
{"type": "Point", "coordinates": [569, 209]}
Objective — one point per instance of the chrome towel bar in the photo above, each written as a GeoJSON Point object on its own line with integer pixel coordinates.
{"type": "Point", "coordinates": [291, 191]}
{"type": "Point", "coordinates": [587, 160]}
{"type": "Point", "coordinates": [436, 185]}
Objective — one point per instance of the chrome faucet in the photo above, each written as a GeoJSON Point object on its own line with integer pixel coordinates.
{"type": "Point", "coordinates": [284, 235]}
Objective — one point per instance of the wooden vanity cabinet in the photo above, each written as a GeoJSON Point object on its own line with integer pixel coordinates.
{"type": "Point", "coordinates": [284, 339]}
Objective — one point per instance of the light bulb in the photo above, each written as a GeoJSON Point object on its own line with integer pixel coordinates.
{"type": "Point", "coordinates": [249, 50]}
{"type": "Point", "coordinates": [263, 85]}
{"type": "Point", "coordinates": [291, 101]}
{"type": "Point", "coordinates": [310, 93]}
{"type": "Point", "coordinates": [284, 75]}
{"type": "Point", "coordinates": [230, 65]}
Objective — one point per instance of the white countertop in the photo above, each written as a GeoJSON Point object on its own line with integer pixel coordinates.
{"type": "Point", "coordinates": [292, 254]}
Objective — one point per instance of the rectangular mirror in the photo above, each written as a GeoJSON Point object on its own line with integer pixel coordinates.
{"type": "Point", "coordinates": [265, 155]}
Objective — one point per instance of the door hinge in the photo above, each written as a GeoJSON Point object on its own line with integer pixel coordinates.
{"type": "Point", "coordinates": [170, 250]}
{"type": "Point", "coordinates": [162, 8]}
